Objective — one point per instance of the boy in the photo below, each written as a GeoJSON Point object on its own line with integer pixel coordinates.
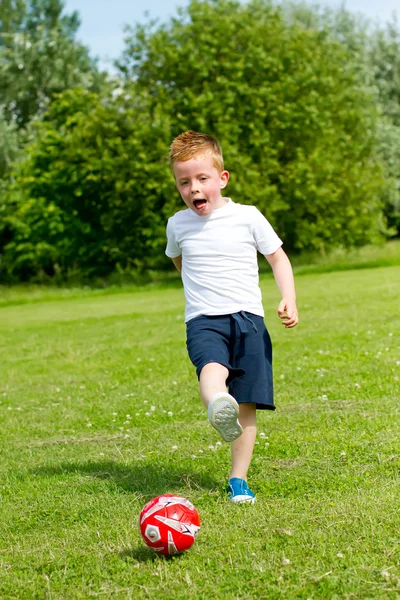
{"type": "Point", "coordinates": [214, 243]}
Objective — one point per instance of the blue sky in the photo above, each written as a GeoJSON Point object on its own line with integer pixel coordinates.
{"type": "Point", "coordinates": [103, 20]}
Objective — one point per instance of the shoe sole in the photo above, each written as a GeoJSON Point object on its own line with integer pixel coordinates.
{"type": "Point", "coordinates": [242, 500]}
{"type": "Point", "coordinates": [223, 413]}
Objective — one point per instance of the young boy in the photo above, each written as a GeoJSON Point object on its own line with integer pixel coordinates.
{"type": "Point", "coordinates": [214, 244]}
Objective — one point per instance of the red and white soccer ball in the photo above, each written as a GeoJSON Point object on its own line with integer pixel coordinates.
{"type": "Point", "coordinates": [169, 524]}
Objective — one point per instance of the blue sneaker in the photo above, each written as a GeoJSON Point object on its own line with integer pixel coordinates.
{"type": "Point", "coordinates": [239, 491]}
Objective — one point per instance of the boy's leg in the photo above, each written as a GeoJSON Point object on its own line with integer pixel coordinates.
{"type": "Point", "coordinates": [213, 378]}
{"type": "Point", "coordinates": [242, 448]}
{"type": "Point", "coordinates": [223, 410]}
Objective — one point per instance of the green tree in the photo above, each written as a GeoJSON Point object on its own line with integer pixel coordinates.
{"type": "Point", "coordinates": [9, 144]}
{"type": "Point", "coordinates": [39, 56]}
{"type": "Point", "coordinates": [289, 105]}
{"type": "Point", "coordinates": [89, 198]}
{"type": "Point", "coordinates": [375, 48]}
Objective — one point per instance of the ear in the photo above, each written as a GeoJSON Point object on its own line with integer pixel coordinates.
{"type": "Point", "coordinates": [224, 178]}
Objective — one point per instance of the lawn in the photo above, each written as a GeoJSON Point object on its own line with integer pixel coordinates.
{"type": "Point", "coordinates": [100, 412]}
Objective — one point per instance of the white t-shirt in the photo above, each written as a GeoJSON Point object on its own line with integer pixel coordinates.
{"type": "Point", "coordinates": [219, 258]}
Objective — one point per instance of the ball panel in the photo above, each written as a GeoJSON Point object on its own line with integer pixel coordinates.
{"type": "Point", "coordinates": [152, 533]}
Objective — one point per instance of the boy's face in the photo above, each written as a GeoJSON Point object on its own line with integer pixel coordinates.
{"type": "Point", "coordinates": [200, 183]}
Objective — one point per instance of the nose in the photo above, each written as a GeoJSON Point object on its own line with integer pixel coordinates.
{"type": "Point", "coordinates": [195, 188]}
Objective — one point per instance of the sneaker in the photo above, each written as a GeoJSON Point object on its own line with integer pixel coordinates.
{"type": "Point", "coordinates": [223, 412]}
{"type": "Point", "coordinates": [239, 491]}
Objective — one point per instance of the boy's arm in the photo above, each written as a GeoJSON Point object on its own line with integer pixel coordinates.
{"type": "Point", "coordinates": [283, 274]}
{"type": "Point", "coordinates": [178, 262]}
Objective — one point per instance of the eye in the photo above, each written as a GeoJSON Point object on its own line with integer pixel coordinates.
{"type": "Point", "coordinates": [183, 183]}
{"type": "Point", "coordinates": [203, 178]}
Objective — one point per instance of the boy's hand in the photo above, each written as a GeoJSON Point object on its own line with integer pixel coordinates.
{"type": "Point", "coordinates": [287, 311]}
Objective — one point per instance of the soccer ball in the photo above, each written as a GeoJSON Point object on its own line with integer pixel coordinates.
{"type": "Point", "coordinates": [169, 524]}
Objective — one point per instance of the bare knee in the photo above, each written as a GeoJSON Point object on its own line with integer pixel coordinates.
{"type": "Point", "coordinates": [215, 371]}
{"type": "Point", "coordinates": [213, 378]}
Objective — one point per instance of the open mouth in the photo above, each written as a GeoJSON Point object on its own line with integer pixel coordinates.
{"type": "Point", "coordinates": [200, 203]}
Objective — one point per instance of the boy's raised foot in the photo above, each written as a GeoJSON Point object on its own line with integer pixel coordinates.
{"type": "Point", "coordinates": [239, 491]}
{"type": "Point", "coordinates": [223, 412]}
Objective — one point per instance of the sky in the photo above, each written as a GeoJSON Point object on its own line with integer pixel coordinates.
{"type": "Point", "coordinates": [102, 21]}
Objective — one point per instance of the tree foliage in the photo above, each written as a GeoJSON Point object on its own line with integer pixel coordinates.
{"type": "Point", "coordinates": [296, 118]}
{"type": "Point", "coordinates": [288, 104]}
{"type": "Point", "coordinates": [39, 56]}
{"type": "Point", "coordinates": [375, 49]}
{"type": "Point", "coordinates": [91, 196]}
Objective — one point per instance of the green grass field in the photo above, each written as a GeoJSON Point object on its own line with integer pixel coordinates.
{"type": "Point", "coordinates": [99, 413]}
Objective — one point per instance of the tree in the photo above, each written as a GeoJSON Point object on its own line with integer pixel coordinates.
{"type": "Point", "coordinates": [289, 105]}
{"type": "Point", "coordinates": [9, 144]}
{"type": "Point", "coordinates": [375, 48]}
{"type": "Point", "coordinates": [89, 198]}
{"type": "Point", "coordinates": [39, 57]}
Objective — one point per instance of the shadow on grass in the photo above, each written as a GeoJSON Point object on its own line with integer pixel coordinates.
{"type": "Point", "coordinates": [145, 554]}
{"type": "Point", "coordinates": [145, 479]}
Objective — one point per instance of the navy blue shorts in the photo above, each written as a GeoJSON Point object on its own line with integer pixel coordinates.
{"type": "Point", "coordinates": [242, 344]}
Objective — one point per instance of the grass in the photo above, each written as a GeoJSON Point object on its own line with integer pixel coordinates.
{"type": "Point", "coordinates": [341, 259]}
{"type": "Point", "coordinates": [87, 386]}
